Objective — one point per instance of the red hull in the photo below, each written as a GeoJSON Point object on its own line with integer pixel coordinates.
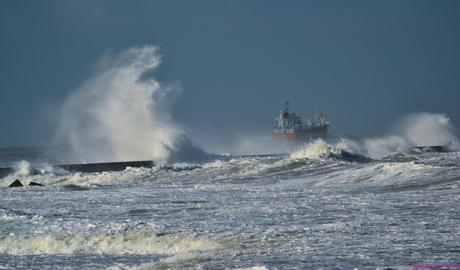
{"type": "Point", "coordinates": [322, 131]}
{"type": "Point", "coordinates": [284, 136]}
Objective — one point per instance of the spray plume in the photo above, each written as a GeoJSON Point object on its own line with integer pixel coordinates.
{"type": "Point", "coordinates": [121, 113]}
{"type": "Point", "coordinates": [427, 129]}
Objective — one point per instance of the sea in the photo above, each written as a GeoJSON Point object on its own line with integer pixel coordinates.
{"type": "Point", "coordinates": [345, 202]}
{"type": "Point", "coordinates": [324, 204]}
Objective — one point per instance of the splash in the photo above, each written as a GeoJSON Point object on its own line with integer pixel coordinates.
{"type": "Point", "coordinates": [427, 129]}
{"type": "Point", "coordinates": [314, 149]}
{"type": "Point", "coordinates": [122, 112]}
{"type": "Point", "coordinates": [319, 148]}
{"type": "Point", "coordinates": [418, 129]}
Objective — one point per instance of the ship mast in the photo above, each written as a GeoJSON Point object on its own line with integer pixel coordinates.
{"type": "Point", "coordinates": [316, 117]}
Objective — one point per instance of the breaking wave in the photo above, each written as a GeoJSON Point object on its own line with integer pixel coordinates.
{"type": "Point", "coordinates": [131, 242]}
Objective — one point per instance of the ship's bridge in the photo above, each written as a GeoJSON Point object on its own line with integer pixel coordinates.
{"type": "Point", "coordinates": [287, 122]}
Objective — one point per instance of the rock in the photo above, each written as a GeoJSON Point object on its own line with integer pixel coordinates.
{"type": "Point", "coordinates": [36, 184]}
{"type": "Point", "coordinates": [16, 183]}
{"type": "Point", "coordinates": [428, 149]}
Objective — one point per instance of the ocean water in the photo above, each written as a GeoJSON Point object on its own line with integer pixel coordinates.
{"type": "Point", "coordinates": [315, 207]}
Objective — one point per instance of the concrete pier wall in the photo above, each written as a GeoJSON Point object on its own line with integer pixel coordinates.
{"type": "Point", "coordinates": [92, 167]}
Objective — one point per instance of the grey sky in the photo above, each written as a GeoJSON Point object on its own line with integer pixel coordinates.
{"type": "Point", "coordinates": [366, 63]}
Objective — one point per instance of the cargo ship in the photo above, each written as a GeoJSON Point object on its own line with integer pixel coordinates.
{"type": "Point", "coordinates": [288, 126]}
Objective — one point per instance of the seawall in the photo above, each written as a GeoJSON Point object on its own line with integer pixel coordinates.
{"type": "Point", "coordinates": [91, 167]}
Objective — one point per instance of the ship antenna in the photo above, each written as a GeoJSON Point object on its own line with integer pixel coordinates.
{"type": "Point", "coordinates": [315, 111]}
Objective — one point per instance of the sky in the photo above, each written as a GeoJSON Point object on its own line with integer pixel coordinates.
{"type": "Point", "coordinates": [365, 63]}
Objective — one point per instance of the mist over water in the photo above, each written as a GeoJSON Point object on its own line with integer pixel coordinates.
{"type": "Point", "coordinates": [122, 112]}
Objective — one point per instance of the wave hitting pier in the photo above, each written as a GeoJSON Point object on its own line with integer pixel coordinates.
{"type": "Point", "coordinates": [91, 167]}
